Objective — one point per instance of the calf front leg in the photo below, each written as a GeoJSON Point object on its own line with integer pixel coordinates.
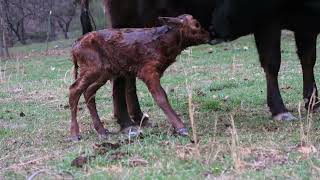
{"type": "Point", "coordinates": [306, 49]}
{"type": "Point", "coordinates": [152, 80]}
{"type": "Point", "coordinates": [268, 45]}
{"type": "Point", "coordinates": [89, 96]}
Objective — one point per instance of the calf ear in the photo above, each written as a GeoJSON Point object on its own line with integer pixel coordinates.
{"type": "Point", "coordinates": [171, 21]}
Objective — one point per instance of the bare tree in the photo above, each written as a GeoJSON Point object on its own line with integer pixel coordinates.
{"type": "Point", "coordinates": [15, 15]}
{"type": "Point", "coordinates": [63, 16]}
{"type": "Point", "coordinates": [29, 18]}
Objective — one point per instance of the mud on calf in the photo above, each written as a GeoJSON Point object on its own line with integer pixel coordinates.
{"type": "Point", "coordinates": [121, 53]}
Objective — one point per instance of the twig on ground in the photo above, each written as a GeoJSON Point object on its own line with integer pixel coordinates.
{"type": "Point", "coordinates": [15, 166]}
{"type": "Point", "coordinates": [235, 146]}
{"type": "Point", "coordinates": [35, 174]}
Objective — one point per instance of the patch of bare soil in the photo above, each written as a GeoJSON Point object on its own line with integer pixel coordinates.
{"type": "Point", "coordinates": [304, 149]}
{"type": "Point", "coordinates": [99, 149]}
{"type": "Point", "coordinates": [52, 52]}
{"type": "Point", "coordinates": [79, 161]}
{"type": "Point", "coordinates": [18, 94]}
{"type": "Point", "coordinates": [105, 147]}
{"type": "Point", "coordinates": [258, 159]}
{"type": "Point", "coordinates": [137, 161]}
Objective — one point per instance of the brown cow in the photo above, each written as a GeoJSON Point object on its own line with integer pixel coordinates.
{"type": "Point", "coordinates": [142, 52]}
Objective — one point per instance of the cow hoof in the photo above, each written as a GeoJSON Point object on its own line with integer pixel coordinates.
{"type": "Point", "coordinates": [132, 131]}
{"type": "Point", "coordinates": [182, 132]}
{"type": "Point", "coordinates": [76, 138]}
{"type": "Point", "coordinates": [103, 135]}
{"type": "Point", "coordinates": [284, 117]}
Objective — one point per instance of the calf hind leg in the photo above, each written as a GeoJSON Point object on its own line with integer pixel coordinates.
{"type": "Point", "coordinates": [89, 96]}
{"type": "Point", "coordinates": [306, 50]}
{"type": "Point", "coordinates": [75, 91]}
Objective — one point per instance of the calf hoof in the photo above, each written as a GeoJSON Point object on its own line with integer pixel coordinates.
{"type": "Point", "coordinates": [284, 117]}
{"type": "Point", "coordinates": [132, 131]}
{"type": "Point", "coordinates": [75, 138]}
{"type": "Point", "coordinates": [182, 132]}
{"type": "Point", "coordinates": [104, 134]}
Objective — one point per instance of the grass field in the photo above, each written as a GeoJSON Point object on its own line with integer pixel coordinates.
{"type": "Point", "coordinates": [227, 86]}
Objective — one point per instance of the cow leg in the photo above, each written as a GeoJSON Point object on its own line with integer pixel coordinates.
{"type": "Point", "coordinates": [131, 97]}
{"type": "Point", "coordinates": [133, 103]}
{"type": "Point", "coordinates": [306, 49]}
{"type": "Point", "coordinates": [268, 45]}
{"type": "Point", "coordinates": [119, 103]}
{"type": "Point", "coordinates": [89, 96]}
{"type": "Point", "coordinates": [85, 17]}
{"type": "Point", "coordinates": [152, 81]}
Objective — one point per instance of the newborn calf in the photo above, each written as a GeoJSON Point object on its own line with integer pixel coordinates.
{"type": "Point", "coordinates": [145, 53]}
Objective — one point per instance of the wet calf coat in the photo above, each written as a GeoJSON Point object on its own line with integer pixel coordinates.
{"type": "Point", "coordinates": [142, 52]}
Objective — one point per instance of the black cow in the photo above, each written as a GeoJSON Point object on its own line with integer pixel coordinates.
{"type": "Point", "coordinates": [265, 19]}
{"type": "Point", "coordinates": [228, 20]}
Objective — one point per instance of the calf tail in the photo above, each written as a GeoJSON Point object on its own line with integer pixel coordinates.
{"type": "Point", "coordinates": [75, 67]}
{"type": "Point", "coordinates": [75, 71]}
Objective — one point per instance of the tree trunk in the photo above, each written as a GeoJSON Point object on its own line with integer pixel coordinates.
{"type": "Point", "coordinates": [4, 40]}
{"type": "Point", "coordinates": [66, 34]}
{"type": "Point", "coordinates": [53, 31]}
{"type": "Point", "coordinates": [1, 46]}
{"type": "Point", "coordinates": [4, 28]}
{"type": "Point", "coordinates": [22, 32]}
{"type": "Point", "coordinates": [67, 30]}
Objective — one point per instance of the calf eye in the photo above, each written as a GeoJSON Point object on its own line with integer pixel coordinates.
{"type": "Point", "coordinates": [197, 25]}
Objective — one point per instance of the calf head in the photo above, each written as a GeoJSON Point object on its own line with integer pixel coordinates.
{"type": "Point", "coordinates": [190, 29]}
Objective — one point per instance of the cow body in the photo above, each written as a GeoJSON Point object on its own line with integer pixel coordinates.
{"type": "Point", "coordinates": [228, 20]}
